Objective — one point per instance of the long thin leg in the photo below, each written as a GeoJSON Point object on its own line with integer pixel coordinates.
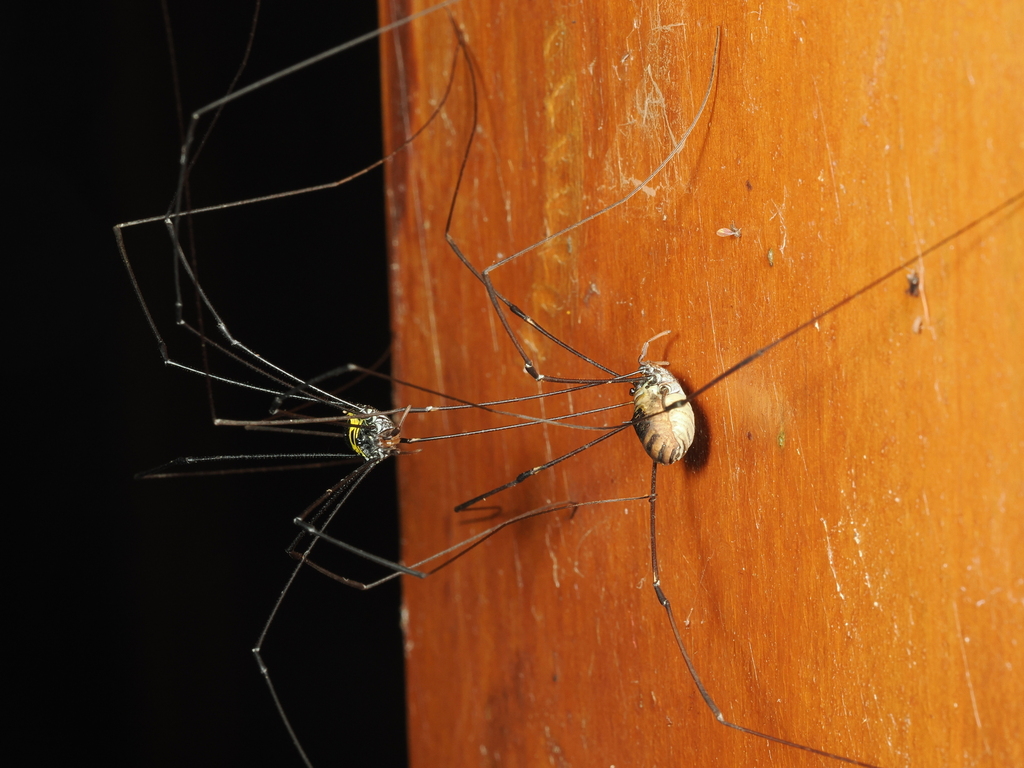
{"type": "Point", "coordinates": [500, 302]}
{"type": "Point", "coordinates": [663, 599]}
{"type": "Point", "coordinates": [180, 208]}
{"type": "Point", "coordinates": [459, 550]}
{"type": "Point", "coordinates": [335, 497]}
{"type": "Point", "coordinates": [531, 472]}
{"type": "Point", "coordinates": [327, 506]}
{"type": "Point", "coordinates": [901, 267]}
{"type": "Point", "coordinates": [455, 551]}
{"type": "Point", "coordinates": [257, 652]}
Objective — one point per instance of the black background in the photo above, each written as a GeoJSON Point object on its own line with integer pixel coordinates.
{"type": "Point", "coordinates": [137, 602]}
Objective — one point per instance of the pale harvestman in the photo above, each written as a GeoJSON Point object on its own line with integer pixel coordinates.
{"type": "Point", "coordinates": [663, 417]}
{"type": "Point", "coordinates": [842, 511]}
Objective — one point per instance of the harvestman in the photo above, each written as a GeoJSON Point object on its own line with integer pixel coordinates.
{"type": "Point", "coordinates": [663, 416]}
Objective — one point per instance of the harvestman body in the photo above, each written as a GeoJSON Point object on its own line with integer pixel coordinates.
{"type": "Point", "coordinates": [663, 418]}
{"type": "Point", "coordinates": [373, 435]}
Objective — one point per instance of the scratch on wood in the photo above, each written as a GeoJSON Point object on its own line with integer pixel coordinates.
{"type": "Point", "coordinates": [831, 563]}
{"type": "Point", "coordinates": [967, 673]}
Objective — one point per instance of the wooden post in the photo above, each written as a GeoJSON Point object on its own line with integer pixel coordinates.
{"type": "Point", "coordinates": [847, 554]}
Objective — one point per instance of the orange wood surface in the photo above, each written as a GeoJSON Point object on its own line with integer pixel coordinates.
{"type": "Point", "coordinates": [848, 555]}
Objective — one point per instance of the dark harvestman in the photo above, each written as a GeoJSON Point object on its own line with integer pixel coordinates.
{"type": "Point", "coordinates": [865, 304]}
{"type": "Point", "coordinates": [224, 361]}
{"type": "Point", "coordinates": [206, 702]}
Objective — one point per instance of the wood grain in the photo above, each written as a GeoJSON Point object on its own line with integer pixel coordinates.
{"type": "Point", "coordinates": [847, 557]}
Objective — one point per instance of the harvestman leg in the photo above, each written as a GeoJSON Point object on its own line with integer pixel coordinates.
{"type": "Point", "coordinates": [667, 605]}
{"type": "Point", "coordinates": [452, 554]}
{"type": "Point", "coordinates": [499, 301]}
{"type": "Point", "coordinates": [231, 347]}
